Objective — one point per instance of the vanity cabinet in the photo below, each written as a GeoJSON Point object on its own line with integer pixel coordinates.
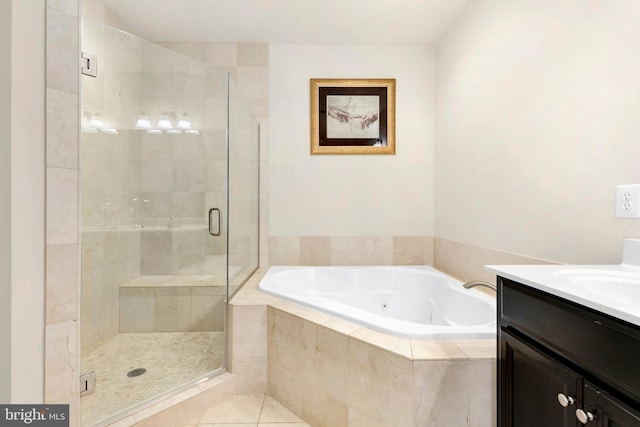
{"type": "Point", "coordinates": [561, 364]}
{"type": "Point", "coordinates": [533, 381]}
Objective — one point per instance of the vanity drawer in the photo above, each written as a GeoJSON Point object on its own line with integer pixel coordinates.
{"type": "Point", "coordinates": [605, 348]}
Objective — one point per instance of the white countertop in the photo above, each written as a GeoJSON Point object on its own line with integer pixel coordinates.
{"type": "Point", "coordinates": [610, 289]}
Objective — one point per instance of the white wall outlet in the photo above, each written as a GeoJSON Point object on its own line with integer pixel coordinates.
{"type": "Point", "coordinates": [628, 201]}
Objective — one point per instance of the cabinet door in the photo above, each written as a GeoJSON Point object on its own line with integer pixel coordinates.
{"type": "Point", "coordinates": [529, 384]}
{"type": "Point", "coordinates": [606, 410]}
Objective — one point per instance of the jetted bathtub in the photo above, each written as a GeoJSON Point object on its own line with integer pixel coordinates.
{"type": "Point", "coordinates": [413, 302]}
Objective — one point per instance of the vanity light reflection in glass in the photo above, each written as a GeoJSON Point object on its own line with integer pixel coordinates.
{"type": "Point", "coordinates": [143, 121]}
{"type": "Point", "coordinates": [94, 123]}
{"type": "Point", "coordinates": [184, 123]}
{"type": "Point", "coordinates": [165, 124]}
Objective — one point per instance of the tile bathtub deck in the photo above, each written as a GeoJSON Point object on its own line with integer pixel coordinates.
{"type": "Point", "coordinates": [249, 410]}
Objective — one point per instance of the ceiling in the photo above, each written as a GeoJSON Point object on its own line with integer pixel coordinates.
{"type": "Point", "coordinates": [348, 22]}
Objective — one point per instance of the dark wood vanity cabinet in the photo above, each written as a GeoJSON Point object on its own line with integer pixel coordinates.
{"type": "Point", "coordinates": [532, 382]}
{"type": "Point", "coordinates": [564, 365]}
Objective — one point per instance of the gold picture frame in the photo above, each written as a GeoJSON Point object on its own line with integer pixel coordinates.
{"type": "Point", "coordinates": [353, 116]}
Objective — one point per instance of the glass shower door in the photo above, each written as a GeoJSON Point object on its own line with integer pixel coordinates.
{"type": "Point", "coordinates": [154, 165]}
{"type": "Point", "coordinates": [244, 192]}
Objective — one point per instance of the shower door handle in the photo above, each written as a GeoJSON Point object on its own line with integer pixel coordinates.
{"type": "Point", "coordinates": [211, 222]}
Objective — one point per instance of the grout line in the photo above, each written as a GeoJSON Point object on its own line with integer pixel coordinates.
{"type": "Point", "coordinates": [264, 399]}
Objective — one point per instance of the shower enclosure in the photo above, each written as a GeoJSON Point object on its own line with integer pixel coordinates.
{"type": "Point", "coordinates": [169, 163]}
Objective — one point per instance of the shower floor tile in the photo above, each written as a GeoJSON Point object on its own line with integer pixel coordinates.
{"type": "Point", "coordinates": [171, 359]}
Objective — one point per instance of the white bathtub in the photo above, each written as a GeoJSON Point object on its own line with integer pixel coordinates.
{"type": "Point", "coordinates": [412, 302]}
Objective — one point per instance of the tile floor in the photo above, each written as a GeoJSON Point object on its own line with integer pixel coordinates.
{"type": "Point", "coordinates": [171, 359]}
{"type": "Point", "coordinates": [249, 410]}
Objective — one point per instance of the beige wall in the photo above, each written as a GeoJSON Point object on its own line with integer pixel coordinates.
{"type": "Point", "coordinates": [323, 195]}
{"type": "Point", "coordinates": [536, 124]}
{"type": "Point", "coordinates": [5, 201]}
{"type": "Point", "coordinates": [23, 201]}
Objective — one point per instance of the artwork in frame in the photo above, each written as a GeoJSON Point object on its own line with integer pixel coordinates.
{"type": "Point", "coordinates": [353, 116]}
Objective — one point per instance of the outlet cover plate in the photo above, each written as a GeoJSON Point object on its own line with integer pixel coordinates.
{"type": "Point", "coordinates": [628, 201]}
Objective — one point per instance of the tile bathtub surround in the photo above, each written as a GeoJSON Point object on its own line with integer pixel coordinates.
{"type": "Point", "coordinates": [247, 345]}
{"type": "Point", "coordinates": [343, 250]}
{"type": "Point", "coordinates": [320, 366]}
{"type": "Point", "coordinates": [331, 372]}
{"type": "Point", "coordinates": [466, 262]}
{"type": "Point", "coordinates": [247, 336]}
{"type": "Point", "coordinates": [460, 260]}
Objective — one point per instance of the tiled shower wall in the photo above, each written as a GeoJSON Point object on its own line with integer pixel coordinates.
{"type": "Point", "coordinates": [62, 205]}
{"type": "Point", "coordinates": [248, 66]}
{"type": "Point", "coordinates": [110, 175]}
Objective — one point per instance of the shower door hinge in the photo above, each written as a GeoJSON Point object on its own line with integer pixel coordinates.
{"type": "Point", "coordinates": [89, 64]}
{"type": "Point", "coordinates": [87, 383]}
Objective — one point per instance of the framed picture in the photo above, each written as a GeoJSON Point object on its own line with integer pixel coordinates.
{"type": "Point", "coordinates": [353, 116]}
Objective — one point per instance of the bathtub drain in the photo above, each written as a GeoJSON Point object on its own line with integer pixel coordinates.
{"type": "Point", "coordinates": [136, 372]}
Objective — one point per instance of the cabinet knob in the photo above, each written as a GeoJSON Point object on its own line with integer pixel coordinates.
{"type": "Point", "coordinates": [565, 400]}
{"type": "Point", "coordinates": [584, 417]}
